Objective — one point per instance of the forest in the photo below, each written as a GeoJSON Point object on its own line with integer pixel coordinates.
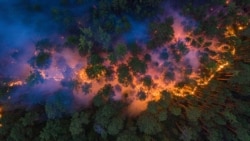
{"type": "Point", "coordinates": [125, 70]}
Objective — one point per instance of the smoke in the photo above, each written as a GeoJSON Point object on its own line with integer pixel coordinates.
{"type": "Point", "coordinates": [63, 83]}
{"type": "Point", "coordinates": [138, 31]}
{"type": "Point", "coordinates": [23, 23]}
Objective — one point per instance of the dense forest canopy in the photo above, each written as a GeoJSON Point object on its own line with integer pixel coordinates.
{"type": "Point", "coordinates": [125, 70]}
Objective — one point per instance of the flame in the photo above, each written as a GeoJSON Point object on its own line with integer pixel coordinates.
{"type": "Point", "coordinates": [240, 27]}
{"type": "Point", "coordinates": [229, 32]}
{"type": "Point", "coordinates": [1, 110]}
{"type": "Point", "coordinates": [227, 2]}
{"type": "Point", "coordinates": [202, 82]}
{"type": "Point", "coordinates": [233, 51]}
{"type": "Point", "coordinates": [156, 72]}
{"type": "Point", "coordinates": [15, 83]}
{"type": "Point", "coordinates": [83, 77]}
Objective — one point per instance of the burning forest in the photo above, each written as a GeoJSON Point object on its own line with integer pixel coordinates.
{"type": "Point", "coordinates": [124, 70]}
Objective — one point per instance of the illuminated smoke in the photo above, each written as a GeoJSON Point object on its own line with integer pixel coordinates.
{"type": "Point", "coordinates": [179, 76]}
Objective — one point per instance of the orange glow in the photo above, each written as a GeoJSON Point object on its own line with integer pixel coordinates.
{"type": "Point", "coordinates": [240, 27]}
{"type": "Point", "coordinates": [230, 32]}
{"type": "Point", "coordinates": [1, 110]}
{"type": "Point", "coordinates": [83, 76]}
{"type": "Point", "coordinates": [203, 82]}
{"type": "Point", "coordinates": [157, 72]}
{"type": "Point", "coordinates": [15, 83]}
{"type": "Point", "coordinates": [233, 51]}
{"type": "Point", "coordinates": [136, 107]}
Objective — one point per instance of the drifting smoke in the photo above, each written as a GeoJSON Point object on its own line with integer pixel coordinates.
{"type": "Point", "coordinates": [138, 32]}
{"type": "Point", "coordinates": [23, 24]}
{"type": "Point", "coordinates": [174, 67]}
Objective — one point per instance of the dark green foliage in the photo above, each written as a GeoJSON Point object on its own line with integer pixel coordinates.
{"type": "Point", "coordinates": [29, 119]}
{"type": "Point", "coordinates": [148, 124]}
{"type": "Point", "coordinates": [120, 50]}
{"type": "Point", "coordinates": [187, 134]}
{"type": "Point", "coordinates": [182, 48]}
{"type": "Point", "coordinates": [17, 133]}
{"type": "Point", "coordinates": [103, 38]}
{"type": "Point", "coordinates": [7, 121]}
{"type": "Point", "coordinates": [210, 27]}
{"type": "Point", "coordinates": [152, 107]}
{"type": "Point", "coordinates": [142, 95]}
{"type": "Point", "coordinates": [96, 71]}
{"type": "Point", "coordinates": [115, 125]}
{"type": "Point", "coordinates": [161, 33]}
{"type": "Point", "coordinates": [124, 76]}
{"type": "Point", "coordinates": [85, 41]}
{"type": "Point", "coordinates": [193, 113]}
{"type": "Point", "coordinates": [107, 91]}
{"type": "Point", "coordinates": [113, 58]}
{"type": "Point", "coordinates": [72, 40]}
{"type": "Point", "coordinates": [134, 49]}
{"type": "Point", "coordinates": [243, 134]}
{"type": "Point", "coordinates": [27, 122]}
{"type": "Point", "coordinates": [166, 97]}
{"type": "Point", "coordinates": [137, 65]}
{"type": "Point", "coordinates": [147, 81]}
{"type": "Point", "coordinates": [119, 5]}
{"type": "Point", "coordinates": [162, 116]}
{"type": "Point", "coordinates": [59, 104]}
{"type": "Point", "coordinates": [242, 76]}
{"type": "Point", "coordinates": [55, 130]}
{"type": "Point", "coordinates": [139, 8]}
{"type": "Point", "coordinates": [103, 118]}
{"type": "Point", "coordinates": [98, 101]}
{"type": "Point", "coordinates": [62, 16]}
{"type": "Point", "coordinates": [175, 110]}
{"type": "Point", "coordinates": [107, 16]}
{"type": "Point", "coordinates": [218, 111]}
{"type": "Point", "coordinates": [128, 136]}
{"type": "Point", "coordinates": [76, 128]}
{"type": "Point", "coordinates": [4, 89]}
{"type": "Point", "coordinates": [95, 59]}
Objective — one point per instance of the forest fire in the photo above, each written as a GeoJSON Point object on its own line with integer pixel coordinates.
{"type": "Point", "coordinates": [203, 82]}
{"type": "Point", "coordinates": [123, 70]}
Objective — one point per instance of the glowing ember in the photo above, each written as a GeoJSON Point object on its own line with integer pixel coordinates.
{"type": "Point", "coordinates": [203, 82]}
{"type": "Point", "coordinates": [15, 83]}
{"type": "Point", "coordinates": [179, 76]}
{"type": "Point", "coordinates": [180, 67]}
{"type": "Point", "coordinates": [230, 31]}
{"type": "Point", "coordinates": [1, 110]}
{"type": "Point", "coordinates": [240, 28]}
